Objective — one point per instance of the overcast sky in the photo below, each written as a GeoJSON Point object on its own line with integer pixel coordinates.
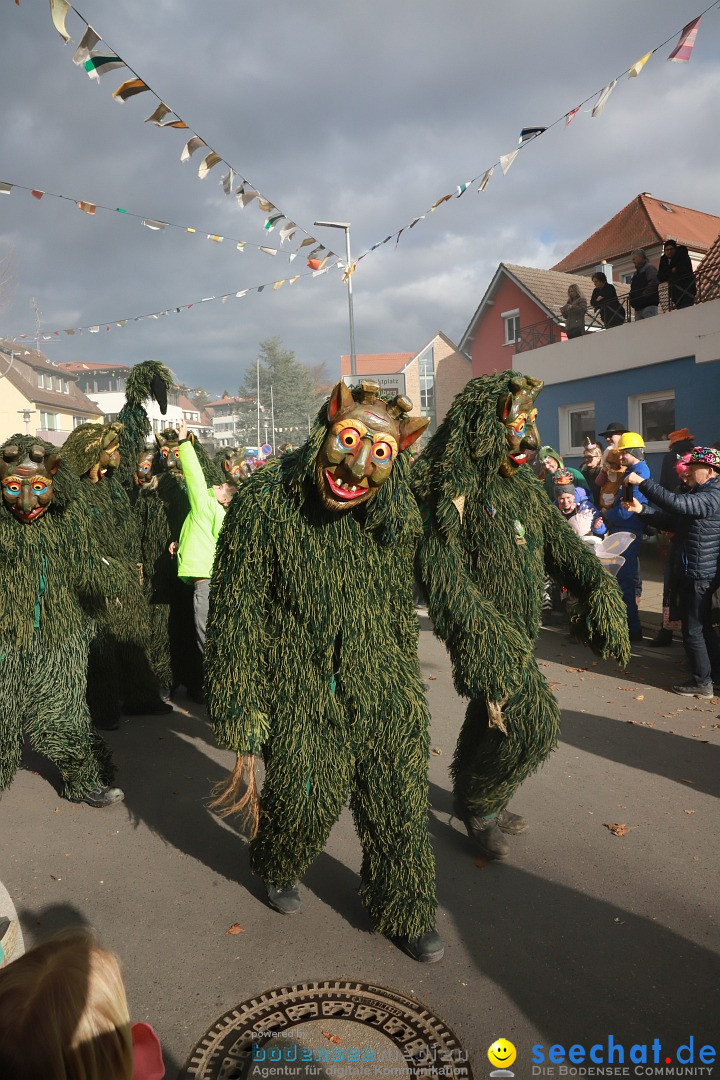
{"type": "Point", "coordinates": [362, 112]}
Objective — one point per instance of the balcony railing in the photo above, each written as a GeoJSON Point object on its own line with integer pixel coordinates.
{"type": "Point", "coordinates": [548, 331]}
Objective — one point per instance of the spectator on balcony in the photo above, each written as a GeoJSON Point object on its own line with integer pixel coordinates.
{"type": "Point", "coordinates": [676, 269]}
{"type": "Point", "coordinates": [644, 296]}
{"type": "Point", "coordinates": [605, 300]}
{"type": "Point", "coordinates": [573, 312]}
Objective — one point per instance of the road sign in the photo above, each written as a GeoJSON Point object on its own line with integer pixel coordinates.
{"type": "Point", "coordinates": [266, 449]}
{"type": "Point", "coordinates": [391, 384]}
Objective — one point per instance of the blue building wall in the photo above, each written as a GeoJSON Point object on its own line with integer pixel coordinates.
{"type": "Point", "coordinates": [697, 400]}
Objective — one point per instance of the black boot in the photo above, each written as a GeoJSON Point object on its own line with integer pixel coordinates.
{"type": "Point", "coordinates": [426, 949]}
{"type": "Point", "coordinates": [484, 833]}
{"type": "Point", "coordinates": [662, 639]}
{"type": "Point", "coordinates": [285, 899]}
{"type": "Point", "coordinates": [511, 823]}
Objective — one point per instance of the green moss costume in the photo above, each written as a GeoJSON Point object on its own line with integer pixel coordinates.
{"type": "Point", "coordinates": [119, 670]}
{"type": "Point", "coordinates": [490, 538]}
{"type": "Point", "coordinates": [311, 656]}
{"type": "Point", "coordinates": [55, 584]}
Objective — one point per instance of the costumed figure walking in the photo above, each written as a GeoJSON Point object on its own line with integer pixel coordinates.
{"type": "Point", "coordinates": [311, 661]}
{"type": "Point", "coordinates": [56, 583]}
{"type": "Point", "coordinates": [490, 538]}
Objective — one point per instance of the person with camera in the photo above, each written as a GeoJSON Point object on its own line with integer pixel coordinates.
{"type": "Point", "coordinates": [619, 518]}
{"type": "Point", "coordinates": [694, 518]}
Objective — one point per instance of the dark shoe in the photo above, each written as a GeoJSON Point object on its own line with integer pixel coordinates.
{"type": "Point", "coordinates": [426, 949]}
{"type": "Point", "coordinates": [662, 639]}
{"type": "Point", "coordinates": [484, 833]}
{"type": "Point", "coordinates": [691, 689]}
{"type": "Point", "coordinates": [286, 899]}
{"type": "Point", "coordinates": [156, 707]}
{"type": "Point", "coordinates": [637, 635]}
{"type": "Point", "coordinates": [102, 796]}
{"type": "Point", "coordinates": [511, 823]}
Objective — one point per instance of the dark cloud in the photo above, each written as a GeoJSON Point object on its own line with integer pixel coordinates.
{"type": "Point", "coordinates": [366, 113]}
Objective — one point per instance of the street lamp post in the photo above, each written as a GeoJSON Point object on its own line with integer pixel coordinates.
{"type": "Point", "coordinates": [346, 226]}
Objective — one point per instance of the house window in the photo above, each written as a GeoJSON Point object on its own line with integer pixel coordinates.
{"type": "Point", "coordinates": [576, 423]}
{"type": "Point", "coordinates": [653, 416]}
{"type": "Point", "coordinates": [512, 325]}
{"type": "Point", "coordinates": [58, 384]}
{"type": "Point", "coordinates": [41, 380]}
{"type": "Point", "coordinates": [77, 421]}
{"type": "Point", "coordinates": [66, 386]}
{"type": "Point", "coordinates": [426, 371]}
{"type": "Point", "coordinates": [49, 421]}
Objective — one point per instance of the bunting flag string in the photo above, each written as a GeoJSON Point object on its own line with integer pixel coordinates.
{"type": "Point", "coordinates": [681, 53]}
{"type": "Point", "coordinates": [112, 324]}
{"type": "Point", "coordinates": [156, 225]}
{"type": "Point", "coordinates": [97, 63]}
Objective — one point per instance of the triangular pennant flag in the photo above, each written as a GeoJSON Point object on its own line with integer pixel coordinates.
{"type": "Point", "coordinates": [272, 222]}
{"type": "Point", "coordinates": [88, 207]}
{"type": "Point", "coordinates": [316, 251]}
{"type": "Point", "coordinates": [487, 177]}
{"type": "Point", "coordinates": [208, 163]}
{"type": "Point", "coordinates": [350, 270]}
{"type": "Point", "coordinates": [317, 273]}
{"type": "Point", "coordinates": [191, 146]}
{"type": "Point", "coordinates": [294, 255]}
{"type": "Point", "coordinates": [639, 65]}
{"type": "Point", "coordinates": [227, 182]}
{"type": "Point", "coordinates": [461, 189]}
{"type": "Point", "coordinates": [86, 46]}
{"type": "Point", "coordinates": [5, 189]}
{"type": "Point", "coordinates": [240, 246]}
{"type": "Point", "coordinates": [269, 250]}
{"type": "Point", "coordinates": [190, 229]}
{"type": "Point", "coordinates": [179, 124]}
{"type": "Point", "coordinates": [159, 115]}
{"type": "Point", "coordinates": [602, 100]}
{"type": "Point", "coordinates": [266, 206]}
{"type": "Point", "coordinates": [246, 195]}
{"type": "Point", "coordinates": [314, 264]}
{"type": "Point", "coordinates": [279, 284]}
{"type": "Point", "coordinates": [683, 49]}
{"type": "Point", "coordinates": [149, 223]}
{"type": "Point", "coordinates": [129, 89]}
{"type": "Point", "coordinates": [243, 292]}
{"type": "Point", "coordinates": [215, 238]}
{"type": "Point", "coordinates": [293, 279]}
{"type": "Point", "coordinates": [260, 288]}
{"type": "Point", "coordinates": [307, 241]}
{"type": "Point", "coordinates": [414, 222]}
{"type": "Point", "coordinates": [529, 133]}
{"type": "Point", "coordinates": [93, 329]}
{"type": "Point", "coordinates": [399, 234]}
{"type": "Point", "coordinates": [438, 203]}
{"type": "Point", "coordinates": [100, 63]}
{"type": "Point", "coordinates": [58, 11]}
{"type": "Point", "coordinates": [507, 159]}
{"type": "Point", "coordinates": [287, 231]}
{"type": "Point", "coordinates": [570, 116]}
{"type": "Point", "coordinates": [37, 194]}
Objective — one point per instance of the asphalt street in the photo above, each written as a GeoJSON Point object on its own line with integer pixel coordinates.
{"type": "Point", "coordinates": [582, 934]}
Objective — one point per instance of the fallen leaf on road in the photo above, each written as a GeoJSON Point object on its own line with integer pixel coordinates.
{"type": "Point", "coordinates": [236, 928]}
{"type": "Point", "coordinates": [432, 678]}
{"type": "Point", "coordinates": [481, 862]}
{"type": "Point", "coordinates": [688, 811]}
{"type": "Point", "coordinates": [640, 697]}
{"type": "Point", "coordinates": [619, 829]}
{"type": "Point", "coordinates": [333, 1038]}
{"type": "Point", "coordinates": [53, 878]}
{"type": "Point", "coordinates": [436, 750]}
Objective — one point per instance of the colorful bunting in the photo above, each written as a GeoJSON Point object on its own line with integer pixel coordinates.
{"type": "Point", "coordinates": [191, 146]}
{"type": "Point", "coordinates": [208, 163]}
{"type": "Point", "coordinates": [5, 189]}
{"type": "Point", "coordinates": [88, 207]}
{"type": "Point", "coordinates": [487, 177]}
{"type": "Point", "coordinates": [637, 67]}
{"type": "Point", "coordinates": [570, 116]}
{"type": "Point", "coordinates": [59, 10]}
{"type": "Point", "coordinates": [529, 133]}
{"type": "Point", "coordinates": [86, 46]}
{"type": "Point", "coordinates": [682, 51]}
{"type": "Point", "coordinates": [507, 159]}
{"type": "Point", "coordinates": [98, 64]}
{"type": "Point", "coordinates": [129, 89]}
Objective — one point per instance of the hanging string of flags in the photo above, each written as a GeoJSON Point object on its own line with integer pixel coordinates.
{"type": "Point", "coordinates": [681, 54]}
{"type": "Point", "coordinates": [98, 62]}
{"type": "Point", "coordinates": [315, 258]}
{"type": "Point", "coordinates": [112, 324]}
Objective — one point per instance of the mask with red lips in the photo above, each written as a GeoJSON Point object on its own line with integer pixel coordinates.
{"type": "Point", "coordinates": [27, 481]}
{"type": "Point", "coordinates": [517, 412]}
{"type": "Point", "coordinates": [362, 443]}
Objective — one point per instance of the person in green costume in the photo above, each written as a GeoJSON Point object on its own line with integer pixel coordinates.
{"type": "Point", "coordinates": [119, 672]}
{"type": "Point", "coordinates": [311, 661]}
{"type": "Point", "coordinates": [490, 538]}
{"type": "Point", "coordinates": [56, 584]}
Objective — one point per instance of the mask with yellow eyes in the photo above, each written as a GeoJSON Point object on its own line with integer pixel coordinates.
{"type": "Point", "coordinates": [168, 443]}
{"type": "Point", "coordinates": [364, 439]}
{"type": "Point", "coordinates": [516, 410]}
{"type": "Point", "coordinates": [27, 481]}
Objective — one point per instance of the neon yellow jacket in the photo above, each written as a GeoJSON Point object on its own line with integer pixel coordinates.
{"type": "Point", "coordinates": [201, 528]}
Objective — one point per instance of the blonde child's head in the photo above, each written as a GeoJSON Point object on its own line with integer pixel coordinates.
{"type": "Point", "coordinates": [64, 1014]}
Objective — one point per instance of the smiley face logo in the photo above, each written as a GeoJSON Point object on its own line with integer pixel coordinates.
{"type": "Point", "coordinates": [502, 1054]}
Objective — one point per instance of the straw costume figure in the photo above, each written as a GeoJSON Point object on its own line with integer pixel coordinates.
{"type": "Point", "coordinates": [490, 539]}
{"type": "Point", "coordinates": [119, 671]}
{"type": "Point", "coordinates": [56, 583]}
{"type": "Point", "coordinates": [311, 661]}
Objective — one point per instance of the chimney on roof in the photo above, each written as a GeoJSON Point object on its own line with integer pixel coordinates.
{"type": "Point", "coordinates": [605, 268]}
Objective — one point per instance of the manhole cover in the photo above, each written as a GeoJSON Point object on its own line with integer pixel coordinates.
{"type": "Point", "coordinates": [330, 1031]}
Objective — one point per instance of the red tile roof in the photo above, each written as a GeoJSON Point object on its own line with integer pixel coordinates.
{"type": "Point", "coordinates": [708, 274]}
{"type": "Point", "coordinates": [76, 367]}
{"type": "Point", "coordinates": [376, 363]}
{"type": "Point", "coordinates": [642, 223]}
{"type": "Point", "coordinates": [229, 401]}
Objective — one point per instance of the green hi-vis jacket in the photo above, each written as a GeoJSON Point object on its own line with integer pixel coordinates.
{"type": "Point", "coordinates": [201, 528]}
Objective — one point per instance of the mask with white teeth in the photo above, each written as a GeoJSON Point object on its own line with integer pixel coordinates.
{"type": "Point", "coordinates": [516, 410]}
{"type": "Point", "coordinates": [364, 438]}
